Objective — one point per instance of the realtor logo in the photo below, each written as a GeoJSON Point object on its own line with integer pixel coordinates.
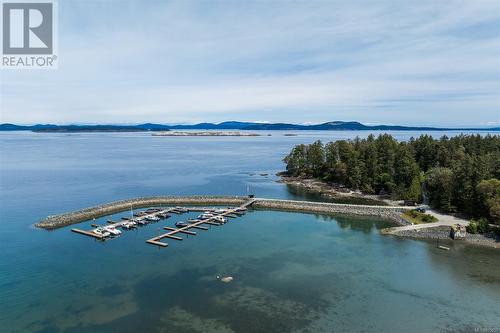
{"type": "Point", "coordinates": [28, 29]}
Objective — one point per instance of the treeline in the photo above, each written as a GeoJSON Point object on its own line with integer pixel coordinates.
{"type": "Point", "coordinates": [458, 174]}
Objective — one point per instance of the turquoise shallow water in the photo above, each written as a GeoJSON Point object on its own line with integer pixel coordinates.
{"type": "Point", "coordinates": [293, 272]}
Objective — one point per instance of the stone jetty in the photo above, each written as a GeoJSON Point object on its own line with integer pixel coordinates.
{"type": "Point", "coordinates": [86, 214]}
{"type": "Point", "coordinates": [388, 212]}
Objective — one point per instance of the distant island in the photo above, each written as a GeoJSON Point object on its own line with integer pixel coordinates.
{"type": "Point", "coordinates": [82, 128]}
{"type": "Point", "coordinates": [231, 125]}
{"type": "Point", "coordinates": [176, 133]}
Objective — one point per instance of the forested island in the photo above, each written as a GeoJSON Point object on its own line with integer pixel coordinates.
{"type": "Point", "coordinates": [231, 125]}
{"type": "Point", "coordinates": [205, 133]}
{"type": "Point", "coordinates": [457, 175]}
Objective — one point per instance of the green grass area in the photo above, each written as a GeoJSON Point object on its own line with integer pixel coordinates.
{"type": "Point", "coordinates": [358, 201]}
{"type": "Point", "coordinates": [418, 218]}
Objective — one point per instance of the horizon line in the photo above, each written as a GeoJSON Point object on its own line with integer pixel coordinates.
{"type": "Point", "coordinates": [491, 126]}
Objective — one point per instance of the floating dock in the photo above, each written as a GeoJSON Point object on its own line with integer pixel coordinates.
{"type": "Point", "coordinates": [142, 217]}
{"type": "Point", "coordinates": [137, 218]}
{"type": "Point", "coordinates": [197, 224]}
{"type": "Point", "coordinates": [87, 233]}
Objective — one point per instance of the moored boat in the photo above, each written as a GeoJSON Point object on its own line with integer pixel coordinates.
{"type": "Point", "coordinates": [129, 225]}
{"type": "Point", "coordinates": [112, 230]}
{"type": "Point", "coordinates": [152, 218]}
{"type": "Point", "coordinates": [142, 222]}
{"type": "Point", "coordinates": [180, 224]}
{"type": "Point", "coordinates": [102, 232]}
{"type": "Point", "coordinates": [220, 219]}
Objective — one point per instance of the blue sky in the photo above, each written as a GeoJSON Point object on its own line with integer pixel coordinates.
{"type": "Point", "coordinates": [392, 62]}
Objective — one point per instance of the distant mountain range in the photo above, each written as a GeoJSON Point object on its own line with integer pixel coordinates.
{"type": "Point", "coordinates": [228, 125]}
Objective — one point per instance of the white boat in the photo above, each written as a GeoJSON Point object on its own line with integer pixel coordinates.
{"type": "Point", "coordinates": [220, 211]}
{"type": "Point", "coordinates": [220, 219]}
{"type": "Point", "coordinates": [102, 232]}
{"type": "Point", "coordinates": [112, 230]}
{"type": "Point", "coordinates": [142, 222]}
{"type": "Point", "coordinates": [152, 218]}
{"type": "Point", "coordinates": [205, 216]}
{"type": "Point", "coordinates": [129, 225]}
{"type": "Point", "coordinates": [180, 224]}
{"type": "Point", "coordinates": [181, 209]}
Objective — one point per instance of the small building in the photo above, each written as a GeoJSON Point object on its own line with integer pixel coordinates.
{"type": "Point", "coordinates": [457, 231]}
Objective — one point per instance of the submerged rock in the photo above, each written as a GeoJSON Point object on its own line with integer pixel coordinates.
{"type": "Point", "coordinates": [225, 279]}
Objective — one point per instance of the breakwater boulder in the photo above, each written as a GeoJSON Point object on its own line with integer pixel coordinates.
{"type": "Point", "coordinates": [56, 221]}
{"type": "Point", "coordinates": [387, 212]}
{"type": "Point", "coordinates": [65, 219]}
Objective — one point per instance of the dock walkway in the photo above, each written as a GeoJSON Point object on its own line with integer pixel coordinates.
{"type": "Point", "coordinates": [196, 225]}
{"type": "Point", "coordinates": [136, 219]}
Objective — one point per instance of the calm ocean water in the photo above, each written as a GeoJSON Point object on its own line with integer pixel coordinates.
{"type": "Point", "coordinates": [293, 272]}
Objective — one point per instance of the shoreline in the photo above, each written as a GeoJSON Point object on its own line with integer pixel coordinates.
{"type": "Point", "coordinates": [204, 133]}
{"type": "Point", "coordinates": [442, 233]}
{"type": "Point", "coordinates": [429, 232]}
{"type": "Point", "coordinates": [331, 192]}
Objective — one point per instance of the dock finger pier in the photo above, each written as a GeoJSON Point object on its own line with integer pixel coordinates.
{"type": "Point", "coordinates": [212, 217]}
{"type": "Point", "coordinates": [209, 216]}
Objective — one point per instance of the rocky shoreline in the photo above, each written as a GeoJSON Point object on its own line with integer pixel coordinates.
{"type": "Point", "coordinates": [330, 191]}
{"type": "Point", "coordinates": [443, 232]}
{"type": "Point", "coordinates": [334, 192]}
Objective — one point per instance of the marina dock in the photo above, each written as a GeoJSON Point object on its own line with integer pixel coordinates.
{"type": "Point", "coordinates": [153, 215]}
{"type": "Point", "coordinates": [87, 233]}
{"type": "Point", "coordinates": [197, 225]}
{"type": "Point", "coordinates": [214, 216]}
{"type": "Point", "coordinates": [199, 203]}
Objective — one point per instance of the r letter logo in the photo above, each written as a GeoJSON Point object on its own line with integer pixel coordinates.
{"type": "Point", "coordinates": [28, 29]}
